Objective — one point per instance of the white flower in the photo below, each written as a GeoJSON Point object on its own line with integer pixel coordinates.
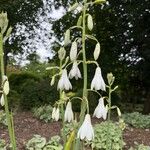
{"type": "Point", "coordinates": [68, 113]}
{"type": "Point", "coordinates": [98, 82]}
{"type": "Point", "coordinates": [73, 51]}
{"type": "Point", "coordinates": [75, 72]}
{"type": "Point", "coordinates": [86, 130]}
{"type": "Point", "coordinates": [6, 85]}
{"type": "Point", "coordinates": [100, 110]}
{"type": "Point", "coordinates": [55, 114]}
{"type": "Point", "coordinates": [64, 82]}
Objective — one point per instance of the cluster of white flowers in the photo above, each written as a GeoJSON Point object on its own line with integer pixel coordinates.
{"type": "Point", "coordinates": [86, 130]}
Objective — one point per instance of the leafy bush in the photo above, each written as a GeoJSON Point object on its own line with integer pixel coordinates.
{"type": "Point", "coordinates": [43, 113]}
{"type": "Point", "coordinates": [39, 143]}
{"type": "Point", "coordinates": [107, 134]}
{"type": "Point", "coordinates": [53, 144]}
{"type": "Point", "coordinates": [140, 147]}
{"type": "Point", "coordinates": [18, 79]}
{"type": "Point", "coordinates": [3, 120]}
{"type": "Point", "coordinates": [137, 120]}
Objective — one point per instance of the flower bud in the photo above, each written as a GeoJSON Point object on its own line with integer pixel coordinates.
{"type": "Point", "coordinates": [67, 37]}
{"type": "Point", "coordinates": [79, 22]}
{"type": "Point", "coordinates": [73, 51]}
{"type": "Point", "coordinates": [110, 78]}
{"type": "Point", "coordinates": [97, 51]}
{"type": "Point", "coordinates": [61, 53]}
{"type": "Point", "coordinates": [90, 22]}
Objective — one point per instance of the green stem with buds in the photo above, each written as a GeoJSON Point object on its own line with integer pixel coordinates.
{"type": "Point", "coordinates": [109, 104]}
{"type": "Point", "coordinates": [62, 110]}
{"type": "Point", "coordinates": [8, 117]}
{"type": "Point", "coordinates": [84, 103]}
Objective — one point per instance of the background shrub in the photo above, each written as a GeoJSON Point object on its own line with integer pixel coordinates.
{"type": "Point", "coordinates": [137, 120]}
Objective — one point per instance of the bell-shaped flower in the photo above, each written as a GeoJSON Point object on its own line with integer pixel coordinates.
{"type": "Point", "coordinates": [98, 82]}
{"type": "Point", "coordinates": [64, 82]}
{"type": "Point", "coordinates": [75, 72]}
{"type": "Point", "coordinates": [86, 130]}
{"type": "Point", "coordinates": [68, 112]}
{"type": "Point", "coordinates": [100, 110]}
{"type": "Point", "coordinates": [55, 114]}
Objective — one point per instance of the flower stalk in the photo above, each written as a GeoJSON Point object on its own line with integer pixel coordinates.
{"type": "Point", "coordinates": [8, 117]}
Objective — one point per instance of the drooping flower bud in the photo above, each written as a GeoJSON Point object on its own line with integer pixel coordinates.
{"type": "Point", "coordinates": [73, 51]}
{"type": "Point", "coordinates": [61, 53]}
{"type": "Point", "coordinates": [67, 38]}
{"type": "Point", "coordinates": [97, 51]}
{"type": "Point", "coordinates": [90, 22]}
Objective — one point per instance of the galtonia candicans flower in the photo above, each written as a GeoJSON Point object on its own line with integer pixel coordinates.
{"type": "Point", "coordinates": [64, 82]}
{"type": "Point", "coordinates": [68, 112]}
{"type": "Point", "coordinates": [98, 82]}
{"type": "Point", "coordinates": [86, 130]}
{"type": "Point", "coordinates": [55, 114]}
{"type": "Point", "coordinates": [75, 72]}
{"type": "Point", "coordinates": [100, 110]}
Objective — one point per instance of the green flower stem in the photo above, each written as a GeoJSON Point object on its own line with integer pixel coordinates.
{"type": "Point", "coordinates": [62, 111]}
{"type": "Point", "coordinates": [8, 117]}
{"type": "Point", "coordinates": [84, 103]}
{"type": "Point", "coordinates": [109, 104]}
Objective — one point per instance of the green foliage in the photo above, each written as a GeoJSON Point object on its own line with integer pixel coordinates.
{"type": "Point", "coordinates": [39, 143]}
{"type": "Point", "coordinates": [53, 144]}
{"type": "Point", "coordinates": [18, 79]}
{"type": "Point", "coordinates": [137, 120]}
{"type": "Point", "coordinates": [140, 147]}
{"type": "Point", "coordinates": [3, 145]}
{"type": "Point", "coordinates": [3, 120]}
{"type": "Point", "coordinates": [43, 112]}
{"type": "Point", "coordinates": [107, 134]}
{"type": "Point", "coordinates": [14, 100]}
{"type": "Point", "coordinates": [29, 91]}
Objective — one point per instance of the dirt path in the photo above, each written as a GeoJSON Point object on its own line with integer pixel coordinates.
{"type": "Point", "coordinates": [26, 126]}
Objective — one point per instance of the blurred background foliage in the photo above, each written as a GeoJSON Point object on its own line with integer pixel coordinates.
{"type": "Point", "coordinates": [122, 27]}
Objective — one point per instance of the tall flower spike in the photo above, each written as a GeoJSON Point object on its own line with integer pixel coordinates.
{"type": "Point", "coordinates": [73, 51]}
{"type": "Point", "coordinates": [86, 130]}
{"type": "Point", "coordinates": [100, 110]}
{"type": "Point", "coordinates": [68, 112]}
{"type": "Point", "coordinates": [75, 72]}
{"type": "Point", "coordinates": [64, 82]}
{"type": "Point", "coordinates": [98, 82]}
